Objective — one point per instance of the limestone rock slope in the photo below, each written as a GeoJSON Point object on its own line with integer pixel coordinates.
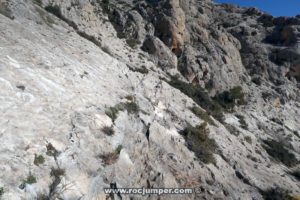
{"type": "Point", "coordinates": [97, 94]}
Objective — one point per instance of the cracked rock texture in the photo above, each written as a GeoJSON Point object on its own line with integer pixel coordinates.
{"type": "Point", "coordinates": [86, 100]}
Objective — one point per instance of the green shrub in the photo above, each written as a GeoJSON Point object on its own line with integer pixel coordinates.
{"type": "Point", "coordinates": [142, 70]}
{"type": "Point", "coordinates": [242, 121]}
{"type": "Point", "coordinates": [90, 38]}
{"type": "Point", "coordinates": [57, 172]}
{"type": "Point", "coordinates": [248, 139]}
{"type": "Point", "coordinates": [118, 149]}
{"type": "Point", "coordinates": [200, 97]}
{"type": "Point", "coordinates": [112, 112]}
{"type": "Point", "coordinates": [30, 179]}
{"type": "Point", "coordinates": [131, 107]}
{"type": "Point", "coordinates": [51, 151]}
{"type": "Point", "coordinates": [202, 115]}
{"type": "Point", "coordinates": [276, 194]}
{"type": "Point", "coordinates": [133, 43]}
{"type": "Point", "coordinates": [43, 197]}
{"type": "Point", "coordinates": [38, 160]}
{"type": "Point", "coordinates": [1, 191]}
{"type": "Point", "coordinates": [198, 141]}
{"type": "Point", "coordinates": [278, 151]}
{"type": "Point", "coordinates": [104, 5]}
{"type": "Point", "coordinates": [228, 99]}
{"type": "Point", "coordinates": [232, 129]}
{"type": "Point", "coordinates": [55, 10]}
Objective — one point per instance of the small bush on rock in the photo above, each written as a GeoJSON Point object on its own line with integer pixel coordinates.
{"type": "Point", "coordinates": [51, 151]}
{"type": "Point", "coordinates": [30, 179]}
{"type": "Point", "coordinates": [112, 112]}
{"type": "Point", "coordinates": [200, 97]}
{"type": "Point", "coordinates": [242, 121]}
{"type": "Point", "coordinates": [198, 141]}
{"type": "Point", "coordinates": [202, 115]}
{"type": "Point", "coordinates": [38, 160]}
{"type": "Point", "coordinates": [131, 107]}
{"type": "Point", "coordinates": [108, 130]}
{"type": "Point", "coordinates": [278, 151]}
{"type": "Point", "coordinates": [1, 191]}
{"type": "Point", "coordinates": [248, 139]}
{"type": "Point", "coordinates": [133, 43]}
{"type": "Point", "coordinates": [276, 194]}
{"type": "Point", "coordinates": [228, 99]}
{"type": "Point", "coordinates": [142, 70]}
{"type": "Point", "coordinates": [57, 172]}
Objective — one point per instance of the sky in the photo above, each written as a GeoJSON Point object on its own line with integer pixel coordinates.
{"type": "Point", "coordinates": [274, 7]}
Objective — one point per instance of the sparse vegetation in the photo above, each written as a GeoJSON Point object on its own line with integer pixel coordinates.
{"type": "Point", "coordinates": [131, 107]}
{"type": "Point", "coordinates": [51, 151]}
{"type": "Point", "coordinates": [38, 160]}
{"type": "Point", "coordinates": [104, 5]}
{"type": "Point", "coordinates": [278, 151]}
{"type": "Point", "coordinates": [232, 129]}
{"type": "Point", "coordinates": [55, 10]}
{"type": "Point", "coordinates": [142, 70]}
{"type": "Point", "coordinates": [198, 141]}
{"type": "Point", "coordinates": [242, 121]}
{"type": "Point", "coordinates": [30, 179]}
{"type": "Point", "coordinates": [202, 115]}
{"type": "Point", "coordinates": [200, 97]}
{"type": "Point", "coordinates": [1, 191]}
{"type": "Point", "coordinates": [42, 197]}
{"type": "Point", "coordinates": [248, 139]}
{"type": "Point", "coordinates": [130, 98]}
{"type": "Point", "coordinates": [276, 194]}
{"type": "Point", "coordinates": [112, 112]}
{"type": "Point", "coordinates": [228, 99]}
{"type": "Point", "coordinates": [111, 158]}
{"type": "Point", "coordinates": [90, 38]}
{"type": "Point", "coordinates": [133, 43]}
{"type": "Point", "coordinates": [118, 149]}
{"type": "Point", "coordinates": [57, 172]}
{"type": "Point", "coordinates": [108, 130]}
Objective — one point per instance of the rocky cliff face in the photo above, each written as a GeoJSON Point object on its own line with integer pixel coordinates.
{"type": "Point", "coordinates": [152, 93]}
